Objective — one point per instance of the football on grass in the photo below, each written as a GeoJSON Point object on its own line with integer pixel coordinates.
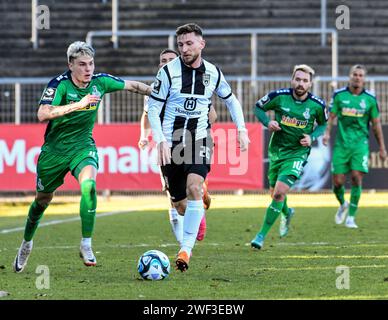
{"type": "Point", "coordinates": [153, 265]}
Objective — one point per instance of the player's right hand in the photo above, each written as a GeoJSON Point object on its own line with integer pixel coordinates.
{"type": "Point", "coordinates": [273, 126]}
{"type": "Point", "coordinates": [88, 99]}
{"type": "Point", "coordinates": [164, 153]}
{"type": "Point", "coordinates": [143, 142]}
{"type": "Point", "coordinates": [325, 139]}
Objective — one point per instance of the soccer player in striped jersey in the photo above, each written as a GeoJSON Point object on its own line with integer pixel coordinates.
{"type": "Point", "coordinates": [355, 108]}
{"type": "Point", "coordinates": [179, 117]}
{"type": "Point", "coordinates": [300, 118]}
{"type": "Point", "coordinates": [176, 219]}
{"type": "Point", "coordinates": [70, 104]}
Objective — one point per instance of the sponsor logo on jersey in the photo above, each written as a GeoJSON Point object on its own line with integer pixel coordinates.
{"type": "Point", "coordinates": [346, 101]}
{"type": "Point", "coordinates": [206, 79]}
{"type": "Point", "coordinates": [49, 94]}
{"type": "Point", "coordinates": [189, 113]}
{"type": "Point", "coordinates": [352, 112]}
{"type": "Point", "coordinates": [294, 122]}
{"type": "Point", "coordinates": [190, 104]}
{"type": "Point", "coordinates": [285, 109]}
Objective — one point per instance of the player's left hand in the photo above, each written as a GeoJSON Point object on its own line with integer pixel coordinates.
{"type": "Point", "coordinates": [243, 139]}
{"type": "Point", "coordinates": [305, 141]}
{"type": "Point", "coordinates": [383, 154]}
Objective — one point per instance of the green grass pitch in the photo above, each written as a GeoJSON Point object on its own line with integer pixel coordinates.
{"type": "Point", "coordinates": [302, 265]}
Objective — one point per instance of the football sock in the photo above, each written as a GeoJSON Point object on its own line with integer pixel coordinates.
{"type": "Point", "coordinates": [86, 242]}
{"type": "Point", "coordinates": [272, 213]}
{"type": "Point", "coordinates": [34, 215]}
{"type": "Point", "coordinates": [176, 221]}
{"type": "Point", "coordinates": [88, 207]}
{"type": "Point", "coordinates": [340, 194]}
{"type": "Point", "coordinates": [285, 208]}
{"type": "Point", "coordinates": [192, 219]}
{"type": "Point", "coordinates": [355, 194]}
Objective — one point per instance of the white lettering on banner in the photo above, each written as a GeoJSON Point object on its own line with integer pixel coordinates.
{"type": "Point", "coordinates": [32, 154]}
{"type": "Point", "coordinates": [15, 155]}
{"type": "Point", "coordinates": [125, 159]}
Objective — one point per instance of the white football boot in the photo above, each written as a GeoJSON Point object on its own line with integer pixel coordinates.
{"type": "Point", "coordinates": [342, 212]}
{"type": "Point", "coordinates": [87, 255]}
{"type": "Point", "coordinates": [350, 223]}
{"type": "Point", "coordinates": [21, 258]}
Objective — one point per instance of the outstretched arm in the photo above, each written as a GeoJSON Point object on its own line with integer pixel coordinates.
{"type": "Point", "coordinates": [137, 87]}
{"type": "Point", "coordinates": [49, 112]}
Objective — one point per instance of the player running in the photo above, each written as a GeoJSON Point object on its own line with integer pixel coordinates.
{"type": "Point", "coordinates": [355, 108]}
{"type": "Point", "coordinates": [179, 117]}
{"type": "Point", "coordinates": [70, 103]}
{"type": "Point", "coordinates": [297, 111]}
{"type": "Point", "coordinates": [176, 218]}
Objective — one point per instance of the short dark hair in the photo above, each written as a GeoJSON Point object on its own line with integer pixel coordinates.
{"type": "Point", "coordinates": [168, 50]}
{"type": "Point", "coordinates": [189, 28]}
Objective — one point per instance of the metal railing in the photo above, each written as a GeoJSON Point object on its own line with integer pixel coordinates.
{"type": "Point", "coordinates": [253, 32]}
{"type": "Point", "coordinates": [19, 97]}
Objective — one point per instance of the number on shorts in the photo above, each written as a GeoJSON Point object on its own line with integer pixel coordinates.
{"type": "Point", "coordinates": [298, 166]}
{"type": "Point", "coordinates": [204, 152]}
{"type": "Point", "coordinates": [92, 154]}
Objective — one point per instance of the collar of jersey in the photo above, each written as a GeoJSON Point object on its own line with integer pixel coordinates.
{"type": "Point", "coordinates": [200, 68]}
{"type": "Point", "coordinates": [348, 89]}
{"type": "Point", "coordinates": [299, 101]}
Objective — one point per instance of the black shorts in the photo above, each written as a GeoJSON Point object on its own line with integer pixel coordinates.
{"type": "Point", "coordinates": [193, 158]}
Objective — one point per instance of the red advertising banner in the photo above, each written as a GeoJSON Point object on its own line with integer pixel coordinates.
{"type": "Point", "coordinates": [123, 166]}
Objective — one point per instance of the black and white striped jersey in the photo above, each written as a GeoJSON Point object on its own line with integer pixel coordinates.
{"type": "Point", "coordinates": [181, 99]}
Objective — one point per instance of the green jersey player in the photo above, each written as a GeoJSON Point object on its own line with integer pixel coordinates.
{"type": "Point", "coordinates": [300, 118]}
{"type": "Point", "coordinates": [70, 103]}
{"type": "Point", "coordinates": [355, 108]}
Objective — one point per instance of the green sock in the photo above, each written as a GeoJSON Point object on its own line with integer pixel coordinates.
{"type": "Point", "coordinates": [271, 215]}
{"type": "Point", "coordinates": [34, 215]}
{"type": "Point", "coordinates": [285, 208]}
{"type": "Point", "coordinates": [355, 194]}
{"type": "Point", "coordinates": [88, 207]}
{"type": "Point", "coordinates": [340, 194]}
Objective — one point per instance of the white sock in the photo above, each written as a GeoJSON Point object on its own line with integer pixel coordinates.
{"type": "Point", "coordinates": [86, 242]}
{"type": "Point", "coordinates": [176, 221]}
{"type": "Point", "coordinates": [192, 219]}
{"type": "Point", "coordinates": [27, 243]}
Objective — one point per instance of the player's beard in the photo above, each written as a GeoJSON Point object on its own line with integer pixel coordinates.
{"type": "Point", "coordinates": [189, 60]}
{"type": "Point", "coordinates": [300, 91]}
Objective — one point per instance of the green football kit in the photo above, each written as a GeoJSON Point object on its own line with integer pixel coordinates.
{"type": "Point", "coordinates": [354, 113]}
{"type": "Point", "coordinates": [69, 146]}
{"type": "Point", "coordinates": [68, 140]}
{"type": "Point", "coordinates": [287, 156]}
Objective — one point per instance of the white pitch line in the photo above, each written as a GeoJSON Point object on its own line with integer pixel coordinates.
{"type": "Point", "coordinates": [53, 222]}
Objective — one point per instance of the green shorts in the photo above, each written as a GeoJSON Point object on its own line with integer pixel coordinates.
{"type": "Point", "coordinates": [52, 168]}
{"type": "Point", "coordinates": [348, 159]}
{"type": "Point", "coordinates": [286, 170]}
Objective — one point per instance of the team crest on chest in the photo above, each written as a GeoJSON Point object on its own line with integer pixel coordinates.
{"type": "Point", "coordinates": [363, 104]}
{"type": "Point", "coordinates": [306, 114]}
{"type": "Point", "coordinates": [206, 79]}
